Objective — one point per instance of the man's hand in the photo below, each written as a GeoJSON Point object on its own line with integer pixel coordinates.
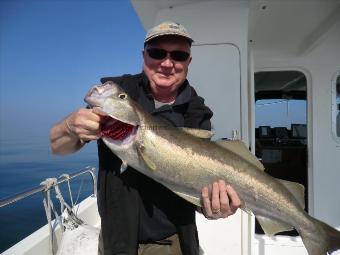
{"type": "Point", "coordinates": [223, 202]}
{"type": "Point", "coordinates": [84, 123]}
{"type": "Point", "coordinates": [70, 134]}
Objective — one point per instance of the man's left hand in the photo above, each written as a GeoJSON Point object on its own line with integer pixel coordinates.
{"type": "Point", "coordinates": [223, 202]}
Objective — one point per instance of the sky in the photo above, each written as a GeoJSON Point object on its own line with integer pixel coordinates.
{"type": "Point", "coordinates": [280, 112]}
{"type": "Point", "coordinates": [53, 51]}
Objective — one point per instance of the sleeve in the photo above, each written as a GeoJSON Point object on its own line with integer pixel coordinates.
{"type": "Point", "coordinates": [117, 79]}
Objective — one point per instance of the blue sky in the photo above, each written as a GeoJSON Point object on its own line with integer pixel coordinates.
{"type": "Point", "coordinates": [52, 51]}
{"type": "Point", "coordinates": [280, 112]}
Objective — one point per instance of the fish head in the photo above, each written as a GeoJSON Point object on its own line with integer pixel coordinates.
{"type": "Point", "coordinates": [111, 100]}
{"type": "Point", "coordinates": [119, 117]}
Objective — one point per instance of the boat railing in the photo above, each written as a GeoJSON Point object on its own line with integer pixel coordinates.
{"type": "Point", "coordinates": [41, 188]}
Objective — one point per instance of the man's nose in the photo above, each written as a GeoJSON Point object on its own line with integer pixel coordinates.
{"type": "Point", "coordinates": [167, 62]}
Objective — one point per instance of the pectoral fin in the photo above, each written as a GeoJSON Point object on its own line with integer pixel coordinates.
{"type": "Point", "coordinates": [123, 167]}
{"type": "Point", "coordinates": [148, 162]}
{"type": "Point", "coordinates": [271, 227]}
{"type": "Point", "coordinates": [201, 133]}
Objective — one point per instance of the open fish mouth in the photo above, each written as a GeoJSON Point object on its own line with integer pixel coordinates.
{"type": "Point", "coordinates": [117, 131]}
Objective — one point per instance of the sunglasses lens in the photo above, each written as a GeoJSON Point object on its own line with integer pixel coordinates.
{"type": "Point", "coordinates": [179, 55]}
{"type": "Point", "coordinates": [157, 53]}
{"type": "Point", "coordinates": [160, 54]}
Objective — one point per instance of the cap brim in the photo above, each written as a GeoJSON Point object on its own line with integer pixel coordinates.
{"type": "Point", "coordinates": [168, 33]}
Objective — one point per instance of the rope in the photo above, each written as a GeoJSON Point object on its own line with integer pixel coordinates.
{"type": "Point", "coordinates": [70, 220]}
{"type": "Point", "coordinates": [67, 177]}
{"type": "Point", "coordinates": [48, 183]}
{"type": "Point", "coordinates": [78, 195]}
{"type": "Point", "coordinates": [63, 204]}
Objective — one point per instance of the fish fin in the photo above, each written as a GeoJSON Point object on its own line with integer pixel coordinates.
{"type": "Point", "coordinates": [201, 133]}
{"type": "Point", "coordinates": [123, 167]}
{"type": "Point", "coordinates": [271, 227]}
{"type": "Point", "coordinates": [297, 190]}
{"type": "Point", "coordinates": [148, 162]}
{"type": "Point", "coordinates": [189, 198]}
{"type": "Point", "coordinates": [240, 149]}
{"type": "Point", "coordinates": [319, 237]}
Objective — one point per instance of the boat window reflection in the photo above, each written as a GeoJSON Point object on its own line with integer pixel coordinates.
{"type": "Point", "coordinates": [281, 127]}
{"type": "Point", "coordinates": [337, 101]}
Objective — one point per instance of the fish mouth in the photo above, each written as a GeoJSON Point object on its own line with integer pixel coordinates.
{"type": "Point", "coordinates": [117, 131]}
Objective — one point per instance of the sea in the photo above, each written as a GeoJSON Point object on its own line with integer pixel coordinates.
{"type": "Point", "coordinates": [26, 161]}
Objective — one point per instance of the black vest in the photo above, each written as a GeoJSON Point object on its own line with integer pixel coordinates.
{"type": "Point", "coordinates": [133, 206]}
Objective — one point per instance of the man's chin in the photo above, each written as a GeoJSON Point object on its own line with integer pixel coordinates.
{"type": "Point", "coordinates": [165, 83]}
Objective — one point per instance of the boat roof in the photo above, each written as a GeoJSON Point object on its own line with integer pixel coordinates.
{"type": "Point", "coordinates": [299, 25]}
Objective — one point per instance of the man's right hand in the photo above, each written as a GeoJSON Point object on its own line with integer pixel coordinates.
{"type": "Point", "coordinates": [84, 124]}
{"type": "Point", "coordinates": [70, 134]}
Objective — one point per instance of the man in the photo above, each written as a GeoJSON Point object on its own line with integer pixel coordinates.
{"type": "Point", "coordinates": [138, 214]}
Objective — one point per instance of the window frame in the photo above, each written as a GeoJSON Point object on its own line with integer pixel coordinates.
{"type": "Point", "coordinates": [334, 108]}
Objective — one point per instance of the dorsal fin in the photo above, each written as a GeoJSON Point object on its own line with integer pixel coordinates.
{"type": "Point", "coordinates": [240, 149]}
{"type": "Point", "coordinates": [297, 190]}
{"type": "Point", "coordinates": [201, 133]}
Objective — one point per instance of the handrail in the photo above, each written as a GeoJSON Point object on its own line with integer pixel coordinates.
{"type": "Point", "coordinates": [40, 188]}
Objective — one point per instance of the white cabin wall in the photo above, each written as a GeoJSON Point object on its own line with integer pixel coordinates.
{"type": "Point", "coordinates": [320, 65]}
{"type": "Point", "coordinates": [211, 21]}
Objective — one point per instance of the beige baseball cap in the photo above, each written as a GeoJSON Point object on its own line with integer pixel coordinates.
{"type": "Point", "coordinates": [167, 28]}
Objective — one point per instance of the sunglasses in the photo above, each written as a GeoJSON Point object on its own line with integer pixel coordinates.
{"type": "Point", "coordinates": [160, 54]}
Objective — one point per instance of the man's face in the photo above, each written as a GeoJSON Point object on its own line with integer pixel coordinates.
{"type": "Point", "coordinates": [166, 75]}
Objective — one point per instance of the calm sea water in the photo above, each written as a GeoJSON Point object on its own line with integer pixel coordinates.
{"type": "Point", "coordinates": [26, 161]}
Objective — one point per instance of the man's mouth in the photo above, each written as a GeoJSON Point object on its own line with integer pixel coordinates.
{"type": "Point", "coordinates": [116, 129]}
{"type": "Point", "coordinates": [165, 75]}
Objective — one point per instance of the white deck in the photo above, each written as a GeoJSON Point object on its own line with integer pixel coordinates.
{"type": "Point", "coordinates": [38, 242]}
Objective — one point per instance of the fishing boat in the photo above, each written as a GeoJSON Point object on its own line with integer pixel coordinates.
{"type": "Point", "coordinates": [248, 54]}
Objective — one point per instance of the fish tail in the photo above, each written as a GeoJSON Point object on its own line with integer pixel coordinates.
{"type": "Point", "coordinates": [322, 239]}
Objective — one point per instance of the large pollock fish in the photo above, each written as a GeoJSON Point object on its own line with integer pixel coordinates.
{"type": "Point", "coordinates": [185, 160]}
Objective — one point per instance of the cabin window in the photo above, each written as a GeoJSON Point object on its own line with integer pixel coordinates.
{"type": "Point", "coordinates": [336, 107]}
{"type": "Point", "coordinates": [281, 126]}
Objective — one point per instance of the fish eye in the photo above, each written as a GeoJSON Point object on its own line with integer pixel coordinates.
{"type": "Point", "coordinates": [122, 96]}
